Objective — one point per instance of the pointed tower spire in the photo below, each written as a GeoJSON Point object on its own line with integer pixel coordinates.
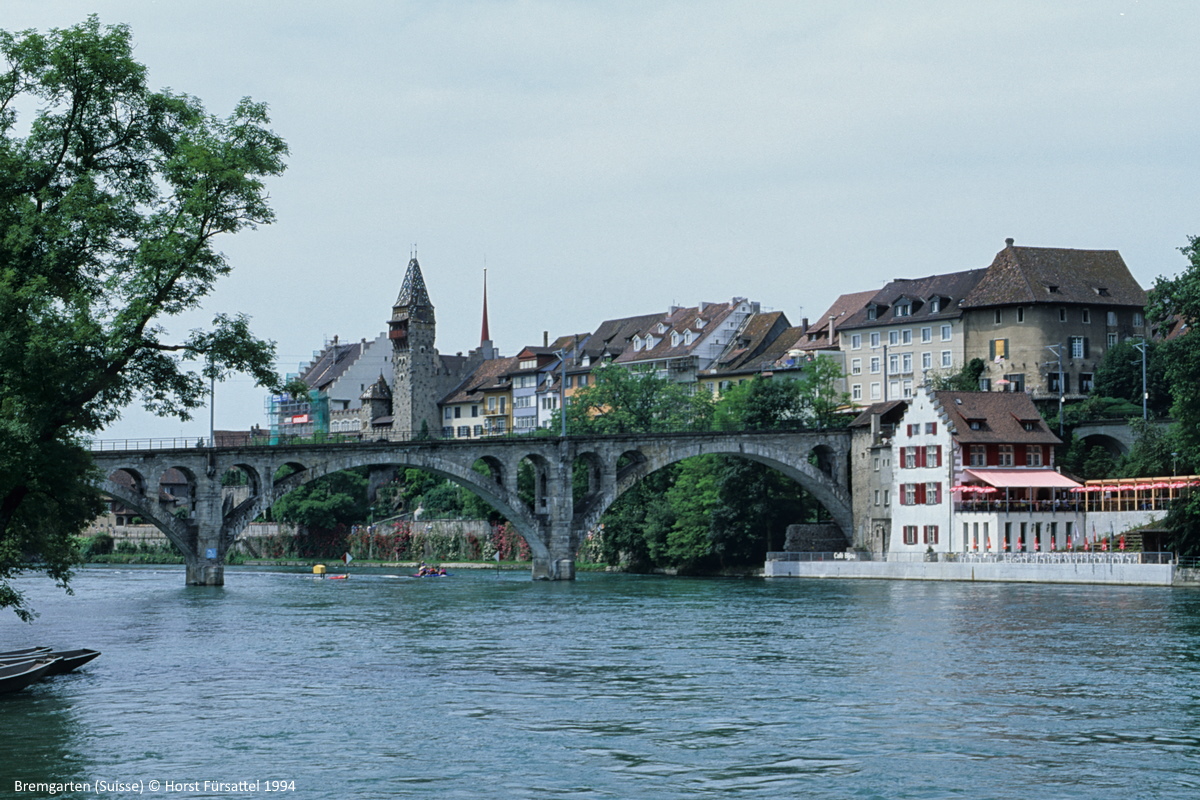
{"type": "Point", "coordinates": [413, 293]}
{"type": "Point", "coordinates": [484, 334]}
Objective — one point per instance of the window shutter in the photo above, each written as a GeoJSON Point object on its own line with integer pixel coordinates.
{"type": "Point", "coordinates": [1085, 347]}
{"type": "Point", "coordinates": [992, 350]}
{"type": "Point", "coordinates": [1005, 347]}
{"type": "Point", "coordinates": [903, 451]}
{"type": "Point", "coordinates": [920, 494]}
{"type": "Point", "coordinates": [939, 456]}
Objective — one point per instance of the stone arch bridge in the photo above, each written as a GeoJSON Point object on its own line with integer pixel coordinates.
{"type": "Point", "coordinates": [553, 526]}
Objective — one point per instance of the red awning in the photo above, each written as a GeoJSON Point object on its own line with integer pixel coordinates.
{"type": "Point", "coordinates": [1023, 478]}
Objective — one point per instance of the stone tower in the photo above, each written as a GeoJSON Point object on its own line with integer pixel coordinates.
{"type": "Point", "coordinates": [415, 363]}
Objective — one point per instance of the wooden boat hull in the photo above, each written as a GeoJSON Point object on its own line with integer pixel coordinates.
{"type": "Point", "coordinates": [16, 677]}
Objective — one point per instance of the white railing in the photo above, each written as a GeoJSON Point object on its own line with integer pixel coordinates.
{"type": "Point", "coordinates": [178, 443]}
{"type": "Point", "coordinates": [1073, 557]}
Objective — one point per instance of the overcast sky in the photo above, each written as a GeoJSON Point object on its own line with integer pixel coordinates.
{"type": "Point", "coordinates": [606, 159]}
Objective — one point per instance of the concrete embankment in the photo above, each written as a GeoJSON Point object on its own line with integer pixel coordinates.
{"type": "Point", "coordinates": [1123, 574]}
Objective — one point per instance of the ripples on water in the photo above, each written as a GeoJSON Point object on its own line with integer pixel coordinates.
{"type": "Point", "coordinates": [490, 685]}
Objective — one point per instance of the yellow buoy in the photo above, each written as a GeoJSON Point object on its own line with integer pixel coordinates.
{"type": "Point", "coordinates": [318, 569]}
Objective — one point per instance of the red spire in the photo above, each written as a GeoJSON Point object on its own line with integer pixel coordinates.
{"type": "Point", "coordinates": [484, 335]}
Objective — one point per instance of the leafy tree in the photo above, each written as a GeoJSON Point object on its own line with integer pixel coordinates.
{"type": "Point", "coordinates": [760, 404]}
{"type": "Point", "coordinates": [965, 380]}
{"type": "Point", "coordinates": [823, 401]}
{"type": "Point", "coordinates": [619, 401]}
{"type": "Point", "coordinates": [1119, 375]}
{"type": "Point", "coordinates": [110, 208]}
{"type": "Point", "coordinates": [336, 499]}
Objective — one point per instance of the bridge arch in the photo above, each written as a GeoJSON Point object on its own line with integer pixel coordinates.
{"type": "Point", "coordinates": [486, 487]}
{"type": "Point", "coordinates": [640, 463]}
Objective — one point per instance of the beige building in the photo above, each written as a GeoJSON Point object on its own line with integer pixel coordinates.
{"type": "Point", "coordinates": [1041, 310]}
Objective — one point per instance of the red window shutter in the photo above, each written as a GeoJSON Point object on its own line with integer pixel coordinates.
{"type": "Point", "coordinates": [903, 451]}
{"type": "Point", "coordinates": [920, 494]}
{"type": "Point", "coordinates": [939, 456]}
{"type": "Point", "coordinates": [921, 457]}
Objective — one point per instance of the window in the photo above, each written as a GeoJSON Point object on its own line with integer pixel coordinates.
{"type": "Point", "coordinates": [908, 389]}
{"type": "Point", "coordinates": [997, 349]}
{"type": "Point", "coordinates": [458, 412]}
{"type": "Point", "coordinates": [549, 403]}
{"type": "Point", "coordinates": [1062, 314]}
{"type": "Point", "coordinates": [528, 421]}
{"type": "Point", "coordinates": [906, 363]}
{"type": "Point", "coordinates": [1085, 382]}
{"type": "Point", "coordinates": [947, 358]}
{"type": "Point", "coordinates": [1033, 455]}
{"type": "Point", "coordinates": [908, 457]}
{"type": "Point", "coordinates": [893, 337]}
{"type": "Point", "coordinates": [477, 430]}
{"type": "Point", "coordinates": [887, 497]}
{"type": "Point", "coordinates": [903, 310]}
{"type": "Point", "coordinates": [474, 411]}
{"type": "Point", "coordinates": [1054, 384]}
{"type": "Point", "coordinates": [1079, 347]}
{"type": "Point", "coordinates": [1112, 319]}
{"type": "Point", "coordinates": [464, 432]}
{"type": "Point", "coordinates": [1138, 320]}
{"type": "Point", "coordinates": [525, 381]}
{"type": "Point", "coordinates": [875, 339]}
{"type": "Point", "coordinates": [926, 335]}
{"type": "Point", "coordinates": [875, 465]}
{"type": "Point", "coordinates": [909, 497]}
{"type": "Point", "coordinates": [1006, 456]}
{"type": "Point", "coordinates": [1087, 316]}
{"type": "Point", "coordinates": [525, 401]}
{"type": "Point", "coordinates": [906, 336]}
{"type": "Point", "coordinates": [876, 497]}
{"type": "Point", "coordinates": [448, 413]}
{"type": "Point", "coordinates": [876, 391]}
{"type": "Point", "coordinates": [926, 360]}
{"type": "Point", "coordinates": [856, 391]}
{"type": "Point", "coordinates": [933, 455]}
{"type": "Point", "coordinates": [978, 455]}
{"type": "Point", "coordinates": [935, 305]}
{"type": "Point", "coordinates": [999, 316]}
{"type": "Point", "coordinates": [876, 364]}
{"type": "Point", "coordinates": [985, 384]}
{"type": "Point", "coordinates": [893, 363]}
{"type": "Point", "coordinates": [872, 312]}
{"type": "Point", "coordinates": [856, 366]}
{"type": "Point", "coordinates": [491, 405]}
{"type": "Point", "coordinates": [1020, 314]}
{"type": "Point", "coordinates": [931, 534]}
{"type": "Point", "coordinates": [856, 341]}
{"type": "Point", "coordinates": [947, 333]}
{"type": "Point", "coordinates": [894, 389]}
{"type": "Point", "coordinates": [447, 432]}
{"type": "Point", "coordinates": [910, 534]}
{"type": "Point", "coordinates": [931, 428]}
{"type": "Point", "coordinates": [1016, 381]}
{"type": "Point", "coordinates": [675, 339]}
{"type": "Point", "coordinates": [1111, 339]}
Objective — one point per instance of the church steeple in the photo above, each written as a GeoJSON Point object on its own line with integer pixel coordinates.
{"type": "Point", "coordinates": [484, 335]}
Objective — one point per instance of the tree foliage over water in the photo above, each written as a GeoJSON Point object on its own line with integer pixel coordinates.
{"type": "Point", "coordinates": [110, 206]}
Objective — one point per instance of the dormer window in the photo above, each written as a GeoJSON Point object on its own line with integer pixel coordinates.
{"type": "Point", "coordinates": [688, 337]}
{"type": "Point", "coordinates": [701, 322]}
{"type": "Point", "coordinates": [1102, 291]}
{"type": "Point", "coordinates": [662, 328]}
{"type": "Point", "coordinates": [935, 305]}
{"type": "Point", "coordinates": [872, 312]}
{"type": "Point", "coordinates": [637, 344]}
{"type": "Point", "coordinates": [1052, 289]}
{"type": "Point", "coordinates": [674, 338]}
{"type": "Point", "coordinates": [903, 310]}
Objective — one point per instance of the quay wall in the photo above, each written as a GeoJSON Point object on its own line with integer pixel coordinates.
{"type": "Point", "coordinates": [1001, 572]}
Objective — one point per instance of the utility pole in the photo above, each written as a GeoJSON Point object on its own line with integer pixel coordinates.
{"type": "Point", "coordinates": [1141, 346]}
{"type": "Point", "coordinates": [1057, 350]}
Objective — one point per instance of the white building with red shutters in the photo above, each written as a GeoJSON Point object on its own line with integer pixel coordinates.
{"type": "Point", "coordinates": [974, 472]}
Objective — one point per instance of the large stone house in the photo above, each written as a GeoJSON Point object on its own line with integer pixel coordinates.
{"type": "Point", "coordinates": [1042, 318]}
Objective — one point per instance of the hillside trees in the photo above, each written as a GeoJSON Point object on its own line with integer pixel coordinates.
{"type": "Point", "coordinates": [111, 204]}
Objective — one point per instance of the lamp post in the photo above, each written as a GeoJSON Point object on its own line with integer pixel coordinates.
{"type": "Point", "coordinates": [1056, 349]}
{"type": "Point", "coordinates": [1141, 346]}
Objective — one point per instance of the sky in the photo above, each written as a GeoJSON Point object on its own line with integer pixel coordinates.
{"type": "Point", "coordinates": [610, 159]}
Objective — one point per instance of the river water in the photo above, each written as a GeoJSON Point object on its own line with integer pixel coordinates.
{"type": "Point", "coordinates": [488, 685]}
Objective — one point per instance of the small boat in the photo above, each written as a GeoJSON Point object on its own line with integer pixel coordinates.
{"type": "Point", "coordinates": [16, 677]}
{"type": "Point", "coordinates": [336, 577]}
{"type": "Point", "coordinates": [28, 651]}
{"type": "Point", "coordinates": [69, 660]}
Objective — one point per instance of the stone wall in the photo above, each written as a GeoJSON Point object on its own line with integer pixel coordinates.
{"type": "Point", "coordinates": [815, 538]}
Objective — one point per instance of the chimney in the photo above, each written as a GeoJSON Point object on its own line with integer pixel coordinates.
{"type": "Point", "coordinates": [1008, 242]}
{"type": "Point", "coordinates": [545, 338]}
